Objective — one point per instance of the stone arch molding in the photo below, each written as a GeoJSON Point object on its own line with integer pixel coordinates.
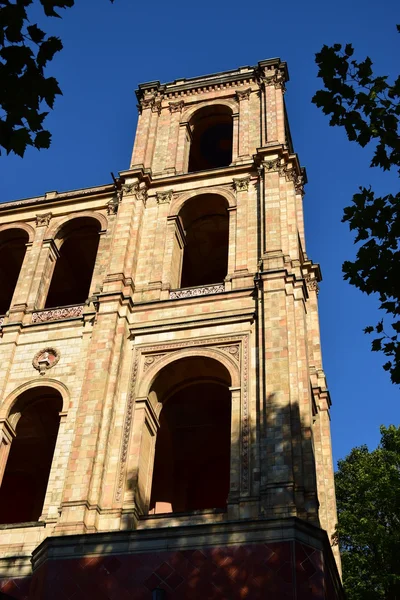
{"type": "Point", "coordinates": [9, 402]}
{"type": "Point", "coordinates": [188, 114]}
{"type": "Point", "coordinates": [56, 228]}
{"type": "Point", "coordinates": [181, 199]}
{"type": "Point", "coordinates": [172, 356]}
{"type": "Point", "coordinates": [18, 225]}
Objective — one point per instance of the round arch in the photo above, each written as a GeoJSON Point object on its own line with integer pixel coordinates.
{"type": "Point", "coordinates": [190, 112]}
{"type": "Point", "coordinates": [18, 225]}
{"type": "Point", "coordinates": [56, 228]}
{"type": "Point", "coordinates": [10, 401]}
{"type": "Point", "coordinates": [213, 353]}
{"type": "Point", "coordinates": [181, 199]}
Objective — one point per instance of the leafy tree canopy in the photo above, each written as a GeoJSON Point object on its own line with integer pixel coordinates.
{"type": "Point", "coordinates": [367, 106]}
{"type": "Point", "coordinates": [25, 51]}
{"type": "Point", "coordinates": [368, 530]}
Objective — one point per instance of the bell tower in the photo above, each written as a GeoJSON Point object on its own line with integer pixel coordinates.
{"type": "Point", "coordinates": [191, 429]}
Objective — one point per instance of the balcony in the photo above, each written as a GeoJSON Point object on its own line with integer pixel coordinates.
{"type": "Point", "coordinates": [202, 290]}
{"type": "Point", "coordinates": [59, 313]}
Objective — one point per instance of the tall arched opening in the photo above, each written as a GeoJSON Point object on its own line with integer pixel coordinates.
{"type": "Point", "coordinates": [77, 243]}
{"type": "Point", "coordinates": [212, 135]}
{"type": "Point", "coordinates": [192, 456]}
{"type": "Point", "coordinates": [35, 417]}
{"type": "Point", "coordinates": [206, 224]}
{"type": "Point", "coordinates": [12, 252]}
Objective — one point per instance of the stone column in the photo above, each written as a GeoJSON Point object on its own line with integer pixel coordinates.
{"type": "Point", "coordinates": [7, 434]}
{"type": "Point", "coordinates": [175, 108]}
{"type": "Point", "coordinates": [152, 134]}
{"type": "Point", "coordinates": [142, 132]}
{"type": "Point", "coordinates": [183, 149]}
{"type": "Point", "coordinates": [232, 212]}
{"type": "Point", "coordinates": [234, 489]}
{"type": "Point", "coordinates": [243, 97]}
{"type": "Point", "coordinates": [163, 203]}
{"type": "Point", "coordinates": [173, 255]}
{"type": "Point", "coordinates": [241, 187]}
{"type": "Point", "coordinates": [140, 461]}
{"type": "Point", "coordinates": [274, 88]}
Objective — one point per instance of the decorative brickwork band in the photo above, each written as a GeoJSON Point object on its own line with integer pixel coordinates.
{"type": "Point", "coordinates": [57, 314]}
{"type": "Point", "coordinates": [197, 291]}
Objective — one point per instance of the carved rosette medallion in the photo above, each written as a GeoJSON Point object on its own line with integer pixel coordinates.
{"type": "Point", "coordinates": [45, 359]}
{"type": "Point", "coordinates": [43, 220]}
{"type": "Point", "coordinates": [150, 360]}
{"type": "Point", "coordinates": [232, 350]}
{"type": "Point", "coordinates": [241, 185]}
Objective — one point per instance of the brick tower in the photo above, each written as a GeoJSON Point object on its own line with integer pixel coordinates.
{"type": "Point", "coordinates": [164, 416]}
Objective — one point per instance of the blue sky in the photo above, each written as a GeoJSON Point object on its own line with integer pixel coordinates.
{"type": "Point", "coordinates": [109, 49]}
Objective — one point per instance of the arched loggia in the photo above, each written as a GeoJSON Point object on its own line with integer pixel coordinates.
{"type": "Point", "coordinates": [206, 225]}
{"type": "Point", "coordinates": [35, 420]}
{"type": "Point", "coordinates": [211, 138]}
{"type": "Point", "coordinates": [12, 252]}
{"type": "Point", "coordinates": [77, 243]}
{"type": "Point", "coordinates": [192, 455]}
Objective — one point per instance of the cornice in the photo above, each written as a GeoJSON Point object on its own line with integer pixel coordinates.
{"type": "Point", "coordinates": [59, 197]}
{"type": "Point", "coordinates": [206, 83]}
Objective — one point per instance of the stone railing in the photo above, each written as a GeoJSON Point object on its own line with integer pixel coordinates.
{"type": "Point", "coordinates": [203, 290]}
{"type": "Point", "coordinates": [57, 314]}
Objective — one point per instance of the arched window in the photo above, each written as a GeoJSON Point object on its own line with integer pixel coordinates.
{"type": "Point", "coordinates": [36, 420]}
{"type": "Point", "coordinates": [77, 243]}
{"type": "Point", "coordinates": [212, 133]}
{"type": "Point", "coordinates": [192, 457]}
{"type": "Point", "coordinates": [12, 252]}
{"type": "Point", "coordinates": [206, 225]}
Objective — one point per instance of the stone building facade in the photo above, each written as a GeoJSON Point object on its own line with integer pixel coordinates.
{"type": "Point", "coordinates": [164, 415]}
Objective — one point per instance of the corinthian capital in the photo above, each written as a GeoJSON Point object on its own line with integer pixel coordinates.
{"type": "Point", "coordinates": [243, 94]}
{"type": "Point", "coordinates": [176, 106]}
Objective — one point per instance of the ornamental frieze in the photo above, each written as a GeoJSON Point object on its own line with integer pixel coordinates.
{"type": "Point", "coordinates": [56, 314]}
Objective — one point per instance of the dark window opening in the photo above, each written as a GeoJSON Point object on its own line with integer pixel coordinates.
{"type": "Point", "coordinates": [192, 457]}
{"type": "Point", "coordinates": [73, 271]}
{"type": "Point", "coordinates": [28, 466]}
{"type": "Point", "coordinates": [12, 252]}
{"type": "Point", "coordinates": [206, 224]}
{"type": "Point", "coordinates": [212, 135]}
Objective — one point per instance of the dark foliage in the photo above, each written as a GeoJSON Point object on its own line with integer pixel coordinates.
{"type": "Point", "coordinates": [25, 51]}
{"type": "Point", "coordinates": [367, 106]}
{"type": "Point", "coordinates": [368, 530]}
